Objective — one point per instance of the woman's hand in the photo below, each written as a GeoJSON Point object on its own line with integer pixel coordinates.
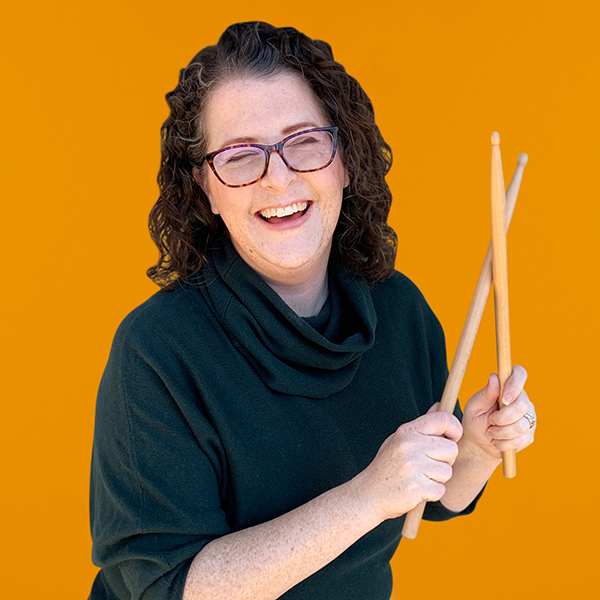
{"type": "Point", "coordinates": [412, 465]}
{"type": "Point", "coordinates": [492, 430]}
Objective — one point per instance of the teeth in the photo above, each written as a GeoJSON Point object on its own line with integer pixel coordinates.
{"type": "Point", "coordinates": [284, 211]}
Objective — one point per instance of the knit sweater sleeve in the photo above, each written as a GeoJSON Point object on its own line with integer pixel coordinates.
{"type": "Point", "coordinates": [156, 468]}
{"type": "Point", "coordinates": [428, 325]}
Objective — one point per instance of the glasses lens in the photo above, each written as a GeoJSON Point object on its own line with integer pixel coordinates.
{"type": "Point", "coordinates": [238, 166]}
{"type": "Point", "coordinates": [309, 151]}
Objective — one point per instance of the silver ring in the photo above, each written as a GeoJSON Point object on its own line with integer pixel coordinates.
{"type": "Point", "coordinates": [531, 418]}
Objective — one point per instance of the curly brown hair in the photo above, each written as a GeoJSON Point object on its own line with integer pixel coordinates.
{"type": "Point", "coordinates": [181, 222]}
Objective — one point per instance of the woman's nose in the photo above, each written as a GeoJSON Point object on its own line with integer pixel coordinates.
{"type": "Point", "coordinates": [278, 174]}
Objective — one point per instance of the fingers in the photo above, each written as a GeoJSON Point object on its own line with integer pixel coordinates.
{"type": "Point", "coordinates": [517, 443]}
{"type": "Point", "coordinates": [514, 384]}
{"type": "Point", "coordinates": [509, 428]}
{"type": "Point", "coordinates": [514, 412]}
{"type": "Point", "coordinates": [483, 402]}
{"type": "Point", "coordinates": [413, 464]}
{"type": "Point", "coordinates": [429, 490]}
{"type": "Point", "coordinates": [488, 396]}
{"type": "Point", "coordinates": [439, 424]}
{"type": "Point", "coordinates": [433, 408]}
{"type": "Point", "coordinates": [438, 471]}
{"type": "Point", "coordinates": [441, 449]}
{"type": "Point", "coordinates": [509, 432]}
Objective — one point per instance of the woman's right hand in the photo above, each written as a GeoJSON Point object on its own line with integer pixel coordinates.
{"type": "Point", "coordinates": [412, 464]}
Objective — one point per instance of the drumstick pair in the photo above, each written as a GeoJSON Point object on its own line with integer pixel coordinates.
{"type": "Point", "coordinates": [495, 264]}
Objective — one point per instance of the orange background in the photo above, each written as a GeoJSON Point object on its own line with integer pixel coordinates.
{"type": "Point", "coordinates": [82, 104]}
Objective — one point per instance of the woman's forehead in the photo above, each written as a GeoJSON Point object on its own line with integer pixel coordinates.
{"type": "Point", "coordinates": [260, 110]}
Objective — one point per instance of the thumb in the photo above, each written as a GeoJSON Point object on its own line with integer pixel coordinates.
{"type": "Point", "coordinates": [433, 408]}
{"type": "Point", "coordinates": [485, 399]}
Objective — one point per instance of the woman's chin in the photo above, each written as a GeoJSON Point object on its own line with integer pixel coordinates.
{"type": "Point", "coordinates": [286, 263]}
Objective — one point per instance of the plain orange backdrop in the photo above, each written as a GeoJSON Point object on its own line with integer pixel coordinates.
{"type": "Point", "coordinates": [82, 103]}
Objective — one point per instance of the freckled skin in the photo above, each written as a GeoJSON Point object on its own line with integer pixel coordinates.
{"type": "Point", "coordinates": [261, 109]}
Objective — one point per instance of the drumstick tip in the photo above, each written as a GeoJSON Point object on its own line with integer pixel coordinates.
{"type": "Point", "coordinates": [495, 139]}
{"type": "Point", "coordinates": [522, 160]}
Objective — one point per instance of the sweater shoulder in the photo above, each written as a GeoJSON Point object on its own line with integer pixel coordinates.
{"type": "Point", "coordinates": [400, 291]}
{"type": "Point", "coordinates": [164, 315]}
{"type": "Point", "coordinates": [398, 299]}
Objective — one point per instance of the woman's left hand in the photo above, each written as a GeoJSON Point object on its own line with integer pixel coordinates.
{"type": "Point", "coordinates": [495, 430]}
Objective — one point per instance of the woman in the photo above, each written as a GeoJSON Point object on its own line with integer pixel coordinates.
{"type": "Point", "coordinates": [265, 421]}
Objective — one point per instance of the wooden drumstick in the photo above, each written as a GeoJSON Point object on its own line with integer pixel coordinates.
{"type": "Point", "coordinates": [500, 275]}
{"type": "Point", "coordinates": [469, 332]}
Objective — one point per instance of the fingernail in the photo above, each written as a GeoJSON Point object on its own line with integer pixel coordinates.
{"type": "Point", "coordinates": [507, 399]}
{"type": "Point", "coordinates": [489, 434]}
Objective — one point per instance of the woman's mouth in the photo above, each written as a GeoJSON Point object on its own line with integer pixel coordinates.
{"type": "Point", "coordinates": [281, 214]}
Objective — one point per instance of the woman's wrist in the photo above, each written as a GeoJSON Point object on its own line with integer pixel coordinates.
{"type": "Point", "coordinates": [369, 511]}
{"type": "Point", "coordinates": [474, 454]}
{"type": "Point", "coordinates": [470, 472]}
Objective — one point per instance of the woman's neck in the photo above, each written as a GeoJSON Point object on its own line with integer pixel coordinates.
{"type": "Point", "coordinates": [306, 298]}
{"type": "Point", "coordinates": [304, 288]}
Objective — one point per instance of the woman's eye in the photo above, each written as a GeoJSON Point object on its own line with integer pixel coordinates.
{"type": "Point", "coordinates": [240, 157]}
{"type": "Point", "coordinates": [304, 141]}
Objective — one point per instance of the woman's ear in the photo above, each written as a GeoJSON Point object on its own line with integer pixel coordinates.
{"type": "Point", "coordinates": [199, 178]}
{"type": "Point", "coordinates": [197, 175]}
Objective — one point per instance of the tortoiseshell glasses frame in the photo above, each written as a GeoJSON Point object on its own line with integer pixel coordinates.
{"type": "Point", "coordinates": [268, 149]}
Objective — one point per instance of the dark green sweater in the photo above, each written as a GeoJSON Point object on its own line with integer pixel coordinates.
{"type": "Point", "coordinates": [220, 409]}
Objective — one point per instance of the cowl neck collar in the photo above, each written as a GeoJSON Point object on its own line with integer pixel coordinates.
{"type": "Point", "coordinates": [290, 355]}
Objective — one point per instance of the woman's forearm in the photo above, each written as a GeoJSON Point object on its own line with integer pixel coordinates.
{"type": "Point", "coordinates": [470, 473]}
{"type": "Point", "coordinates": [266, 560]}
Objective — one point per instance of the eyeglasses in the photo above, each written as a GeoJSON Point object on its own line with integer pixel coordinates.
{"type": "Point", "coordinates": [302, 152]}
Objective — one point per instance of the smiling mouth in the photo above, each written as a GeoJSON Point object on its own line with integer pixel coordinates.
{"type": "Point", "coordinates": [287, 213]}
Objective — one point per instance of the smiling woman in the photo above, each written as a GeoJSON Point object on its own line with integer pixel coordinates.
{"type": "Point", "coordinates": [257, 69]}
{"type": "Point", "coordinates": [266, 420]}
{"type": "Point", "coordinates": [289, 253]}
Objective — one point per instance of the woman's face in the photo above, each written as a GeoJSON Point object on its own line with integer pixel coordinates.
{"type": "Point", "coordinates": [264, 111]}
